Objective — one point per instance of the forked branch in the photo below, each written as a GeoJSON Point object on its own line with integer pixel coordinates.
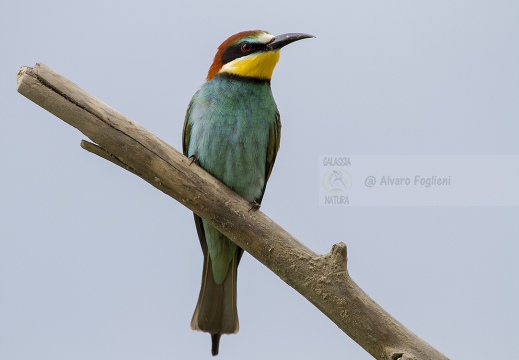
{"type": "Point", "coordinates": [323, 280]}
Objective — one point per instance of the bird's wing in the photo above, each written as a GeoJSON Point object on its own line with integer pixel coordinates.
{"type": "Point", "coordinates": [186, 132]}
{"type": "Point", "coordinates": [273, 146]}
{"type": "Point", "coordinates": [201, 233]}
{"type": "Point", "coordinates": [186, 137]}
{"type": "Point", "coordinates": [272, 151]}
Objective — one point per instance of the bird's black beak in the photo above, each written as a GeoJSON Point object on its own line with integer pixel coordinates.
{"type": "Point", "coordinates": [281, 40]}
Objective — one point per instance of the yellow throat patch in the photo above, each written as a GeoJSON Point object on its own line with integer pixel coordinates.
{"type": "Point", "coordinates": [258, 65]}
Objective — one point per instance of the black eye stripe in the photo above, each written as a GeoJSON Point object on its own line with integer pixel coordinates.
{"type": "Point", "coordinates": [236, 51]}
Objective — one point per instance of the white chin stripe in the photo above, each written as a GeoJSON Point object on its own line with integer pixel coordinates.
{"type": "Point", "coordinates": [265, 37]}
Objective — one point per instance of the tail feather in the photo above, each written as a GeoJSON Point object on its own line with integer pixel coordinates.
{"type": "Point", "coordinates": [215, 343]}
{"type": "Point", "coordinates": [216, 311]}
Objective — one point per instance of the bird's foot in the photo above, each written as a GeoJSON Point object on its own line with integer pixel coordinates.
{"type": "Point", "coordinates": [192, 159]}
{"type": "Point", "coordinates": [254, 206]}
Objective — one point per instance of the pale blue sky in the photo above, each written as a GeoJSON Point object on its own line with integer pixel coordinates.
{"type": "Point", "coordinates": [97, 264]}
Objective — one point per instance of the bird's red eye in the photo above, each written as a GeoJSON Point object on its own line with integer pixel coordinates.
{"type": "Point", "coordinates": [246, 47]}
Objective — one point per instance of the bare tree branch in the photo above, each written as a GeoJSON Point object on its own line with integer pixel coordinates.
{"type": "Point", "coordinates": [322, 279]}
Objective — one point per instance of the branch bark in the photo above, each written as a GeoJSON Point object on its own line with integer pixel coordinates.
{"type": "Point", "coordinates": [322, 279]}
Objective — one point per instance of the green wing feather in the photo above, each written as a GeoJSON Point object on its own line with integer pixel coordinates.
{"type": "Point", "coordinates": [186, 131]}
{"type": "Point", "coordinates": [273, 147]}
{"type": "Point", "coordinates": [272, 151]}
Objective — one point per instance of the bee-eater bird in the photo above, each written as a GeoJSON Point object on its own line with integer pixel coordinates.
{"type": "Point", "coordinates": [232, 130]}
